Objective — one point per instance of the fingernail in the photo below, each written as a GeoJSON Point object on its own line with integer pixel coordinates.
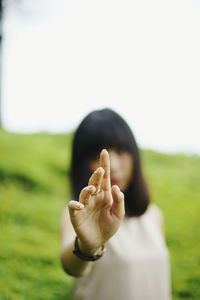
{"type": "Point", "coordinates": [104, 150]}
{"type": "Point", "coordinates": [99, 169]}
{"type": "Point", "coordinates": [79, 205]}
{"type": "Point", "coordinates": [89, 187]}
{"type": "Point", "coordinates": [116, 186]}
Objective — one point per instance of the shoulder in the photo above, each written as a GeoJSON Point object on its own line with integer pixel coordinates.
{"type": "Point", "coordinates": [156, 214]}
{"type": "Point", "coordinates": [65, 220]}
{"type": "Point", "coordinates": [65, 214]}
{"type": "Point", "coordinates": [67, 231]}
{"type": "Point", "coordinates": [155, 210]}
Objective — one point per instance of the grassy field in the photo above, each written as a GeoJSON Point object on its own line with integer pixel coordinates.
{"type": "Point", "coordinates": [33, 190]}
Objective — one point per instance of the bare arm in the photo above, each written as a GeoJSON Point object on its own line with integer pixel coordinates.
{"type": "Point", "coordinates": [70, 263]}
{"type": "Point", "coordinates": [94, 219]}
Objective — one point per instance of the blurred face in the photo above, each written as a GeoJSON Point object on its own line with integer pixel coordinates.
{"type": "Point", "coordinates": [121, 168]}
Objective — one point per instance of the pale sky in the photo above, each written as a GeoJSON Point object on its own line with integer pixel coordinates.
{"type": "Point", "coordinates": [62, 59]}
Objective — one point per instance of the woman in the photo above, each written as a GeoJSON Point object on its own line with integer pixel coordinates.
{"type": "Point", "coordinates": [111, 236]}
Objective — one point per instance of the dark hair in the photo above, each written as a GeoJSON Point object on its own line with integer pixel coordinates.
{"type": "Point", "coordinates": [107, 129]}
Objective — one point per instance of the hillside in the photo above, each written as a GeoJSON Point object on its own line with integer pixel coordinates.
{"type": "Point", "coordinates": [33, 190]}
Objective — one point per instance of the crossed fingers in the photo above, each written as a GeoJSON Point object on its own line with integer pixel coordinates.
{"type": "Point", "coordinates": [101, 177]}
{"type": "Point", "coordinates": [99, 180]}
{"type": "Point", "coordinates": [96, 179]}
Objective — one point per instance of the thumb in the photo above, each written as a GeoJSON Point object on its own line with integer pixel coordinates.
{"type": "Point", "coordinates": [74, 208]}
{"type": "Point", "coordinates": [118, 202]}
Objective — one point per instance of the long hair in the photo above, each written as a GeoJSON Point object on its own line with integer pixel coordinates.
{"type": "Point", "coordinates": [107, 129]}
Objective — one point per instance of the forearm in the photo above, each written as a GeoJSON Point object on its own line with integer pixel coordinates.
{"type": "Point", "coordinates": [72, 264]}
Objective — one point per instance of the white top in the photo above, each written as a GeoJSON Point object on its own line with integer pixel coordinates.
{"type": "Point", "coordinates": [135, 265]}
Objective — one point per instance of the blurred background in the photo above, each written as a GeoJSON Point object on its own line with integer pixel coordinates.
{"type": "Point", "coordinates": [62, 59]}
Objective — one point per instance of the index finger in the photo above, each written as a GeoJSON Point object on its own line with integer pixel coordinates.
{"type": "Point", "coordinates": [105, 164]}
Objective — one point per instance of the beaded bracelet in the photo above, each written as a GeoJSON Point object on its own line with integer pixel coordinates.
{"type": "Point", "coordinates": [86, 257]}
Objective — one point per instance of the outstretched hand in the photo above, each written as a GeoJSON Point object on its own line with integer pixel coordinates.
{"type": "Point", "coordinates": [100, 210]}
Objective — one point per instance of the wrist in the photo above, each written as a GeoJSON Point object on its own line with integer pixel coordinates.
{"type": "Point", "coordinates": [86, 254]}
{"type": "Point", "coordinates": [85, 250]}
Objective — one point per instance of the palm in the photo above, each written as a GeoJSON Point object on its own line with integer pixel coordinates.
{"type": "Point", "coordinates": [95, 224]}
{"type": "Point", "coordinates": [103, 211]}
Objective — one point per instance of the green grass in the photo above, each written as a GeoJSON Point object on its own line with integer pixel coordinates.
{"type": "Point", "coordinates": [33, 190]}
